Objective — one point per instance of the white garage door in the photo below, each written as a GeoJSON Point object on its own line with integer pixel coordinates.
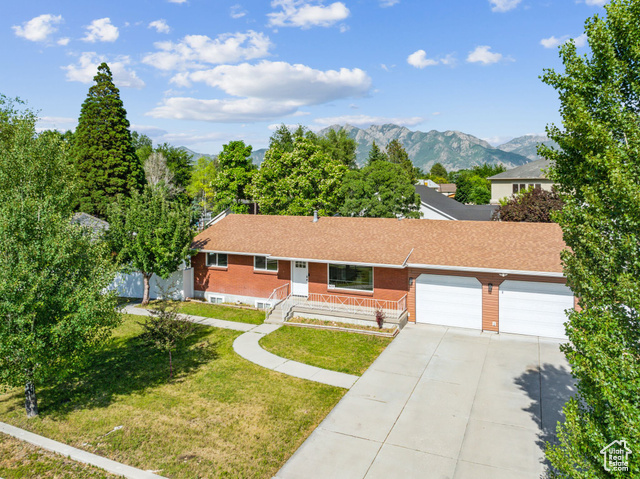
{"type": "Point", "coordinates": [449, 300]}
{"type": "Point", "coordinates": [534, 308]}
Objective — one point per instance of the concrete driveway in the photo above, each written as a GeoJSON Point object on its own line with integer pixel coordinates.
{"type": "Point", "coordinates": [443, 403]}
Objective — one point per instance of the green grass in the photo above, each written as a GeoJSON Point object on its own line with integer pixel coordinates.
{"type": "Point", "coordinates": [217, 311]}
{"type": "Point", "coordinates": [221, 416]}
{"type": "Point", "coordinates": [350, 353]}
{"type": "Point", "coordinates": [19, 459]}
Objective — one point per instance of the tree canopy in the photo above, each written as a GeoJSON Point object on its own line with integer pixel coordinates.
{"type": "Point", "coordinates": [150, 233]}
{"type": "Point", "coordinates": [597, 171]}
{"type": "Point", "coordinates": [235, 171]}
{"type": "Point", "coordinates": [54, 307]}
{"type": "Point", "coordinates": [105, 160]}
{"type": "Point", "coordinates": [299, 181]}
{"type": "Point", "coordinates": [533, 205]}
{"type": "Point", "coordinates": [380, 190]}
{"type": "Point", "coordinates": [398, 155]}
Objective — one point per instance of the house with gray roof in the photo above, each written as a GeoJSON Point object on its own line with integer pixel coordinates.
{"type": "Point", "coordinates": [510, 182]}
{"type": "Point", "coordinates": [436, 206]}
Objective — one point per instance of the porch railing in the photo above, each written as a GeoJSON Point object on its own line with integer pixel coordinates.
{"type": "Point", "coordinates": [279, 294]}
{"type": "Point", "coordinates": [355, 305]}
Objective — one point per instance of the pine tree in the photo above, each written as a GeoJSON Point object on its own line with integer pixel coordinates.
{"type": "Point", "coordinates": [398, 155]}
{"type": "Point", "coordinates": [376, 154]}
{"type": "Point", "coordinates": [105, 160]}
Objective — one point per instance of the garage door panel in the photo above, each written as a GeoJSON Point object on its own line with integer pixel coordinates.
{"type": "Point", "coordinates": [534, 308]}
{"type": "Point", "coordinates": [449, 301]}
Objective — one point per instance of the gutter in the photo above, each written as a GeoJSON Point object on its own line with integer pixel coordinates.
{"type": "Point", "coordinates": [505, 272]}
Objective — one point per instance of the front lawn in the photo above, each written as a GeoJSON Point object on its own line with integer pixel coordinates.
{"type": "Point", "coordinates": [218, 311]}
{"type": "Point", "coordinates": [21, 460]}
{"type": "Point", "coordinates": [221, 416]}
{"type": "Point", "coordinates": [350, 353]}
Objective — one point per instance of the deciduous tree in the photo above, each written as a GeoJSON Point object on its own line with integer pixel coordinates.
{"type": "Point", "coordinates": [298, 182]}
{"type": "Point", "coordinates": [597, 171]}
{"type": "Point", "coordinates": [235, 171]}
{"type": "Point", "coordinates": [54, 308]}
{"type": "Point", "coordinates": [380, 190]}
{"type": "Point", "coordinates": [150, 234]}
{"type": "Point", "coordinates": [105, 160]}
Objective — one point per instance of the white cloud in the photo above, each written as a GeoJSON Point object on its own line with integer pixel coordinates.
{"type": "Point", "coordinates": [281, 81]}
{"type": "Point", "coordinates": [177, 1]}
{"type": "Point", "coordinates": [367, 120]}
{"type": "Point", "coordinates": [580, 40]}
{"type": "Point", "coordinates": [194, 50]}
{"type": "Point", "coordinates": [307, 14]}
{"type": "Point", "coordinates": [553, 42]}
{"type": "Point", "coordinates": [419, 59]}
{"type": "Point", "coordinates": [595, 2]}
{"type": "Point", "coordinates": [244, 110]}
{"type": "Point", "coordinates": [236, 11]}
{"type": "Point", "coordinates": [160, 26]}
{"type": "Point", "coordinates": [63, 41]}
{"type": "Point", "coordinates": [87, 67]}
{"type": "Point", "coordinates": [503, 5]}
{"type": "Point", "coordinates": [193, 138]}
{"type": "Point", "coordinates": [59, 123]}
{"type": "Point", "coordinates": [497, 140]}
{"type": "Point", "coordinates": [101, 30]}
{"type": "Point", "coordinates": [388, 3]}
{"type": "Point", "coordinates": [151, 131]}
{"type": "Point", "coordinates": [39, 28]}
{"type": "Point", "coordinates": [482, 54]}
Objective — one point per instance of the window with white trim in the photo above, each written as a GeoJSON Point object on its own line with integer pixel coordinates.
{"type": "Point", "coordinates": [263, 263]}
{"type": "Point", "coordinates": [217, 259]}
{"type": "Point", "coordinates": [349, 276]}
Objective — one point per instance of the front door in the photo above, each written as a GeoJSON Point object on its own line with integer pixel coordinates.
{"type": "Point", "coordinates": [300, 278]}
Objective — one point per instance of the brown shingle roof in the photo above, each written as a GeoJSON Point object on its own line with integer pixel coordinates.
{"type": "Point", "coordinates": [463, 244]}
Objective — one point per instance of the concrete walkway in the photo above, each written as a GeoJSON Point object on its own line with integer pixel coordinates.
{"type": "Point", "coordinates": [77, 454]}
{"type": "Point", "coordinates": [443, 403]}
{"type": "Point", "coordinates": [247, 345]}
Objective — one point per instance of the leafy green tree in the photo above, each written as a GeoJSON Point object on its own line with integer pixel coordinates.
{"type": "Point", "coordinates": [150, 234]}
{"type": "Point", "coordinates": [597, 170]}
{"type": "Point", "coordinates": [105, 160]}
{"type": "Point", "coordinates": [533, 205]}
{"type": "Point", "coordinates": [298, 182]}
{"type": "Point", "coordinates": [398, 155]}
{"type": "Point", "coordinates": [200, 187]}
{"type": "Point", "coordinates": [376, 154]}
{"type": "Point", "coordinates": [235, 171]}
{"type": "Point", "coordinates": [437, 170]}
{"type": "Point", "coordinates": [380, 190]}
{"type": "Point", "coordinates": [472, 188]}
{"type": "Point", "coordinates": [486, 170]}
{"type": "Point", "coordinates": [53, 275]}
{"type": "Point", "coordinates": [178, 162]}
{"type": "Point", "coordinates": [339, 146]}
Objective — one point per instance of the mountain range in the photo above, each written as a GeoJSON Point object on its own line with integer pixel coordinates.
{"type": "Point", "coordinates": [453, 149]}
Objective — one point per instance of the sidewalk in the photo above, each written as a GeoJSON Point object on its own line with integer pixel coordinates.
{"type": "Point", "coordinates": [77, 454]}
{"type": "Point", "coordinates": [247, 345]}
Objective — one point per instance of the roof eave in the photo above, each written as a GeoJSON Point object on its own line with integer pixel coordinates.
{"type": "Point", "coordinates": [550, 274]}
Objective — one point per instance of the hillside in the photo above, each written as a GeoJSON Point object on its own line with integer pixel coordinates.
{"type": "Point", "coordinates": [527, 146]}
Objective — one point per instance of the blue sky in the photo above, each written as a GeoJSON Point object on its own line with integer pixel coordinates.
{"type": "Point", "coordinates": [200, 73]}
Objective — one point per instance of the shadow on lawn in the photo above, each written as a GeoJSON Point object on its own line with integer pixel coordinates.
{"type": "Point", "coordinates": [549, 388]}
{"type": "Point", "coordinates": [126, 366]}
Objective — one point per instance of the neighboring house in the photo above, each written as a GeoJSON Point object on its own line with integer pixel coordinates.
{"type": "Point", "coordinates": [179, 285]}
{"type": "Point", "coordinates": [436, 206]}
{"type": "Point", "coordinates": [447, 189]}
{"type": "Point", "coordinates": [494, 276]}
{"type": "Point", "coordinates": [510, 182]}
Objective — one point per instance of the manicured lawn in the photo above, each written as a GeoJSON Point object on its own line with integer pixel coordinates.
{"type": "Point", "coordinates": [218, 311]}
{"type": "Point", "coordinates": [339, 351]}
{"type": "Point", "coordinates": [21, 460]}
{"type": "Point", "coordinates": [221, 416]}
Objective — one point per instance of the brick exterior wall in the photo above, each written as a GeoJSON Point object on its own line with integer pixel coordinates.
{"type": "Point", "coordinates": [238, 277]}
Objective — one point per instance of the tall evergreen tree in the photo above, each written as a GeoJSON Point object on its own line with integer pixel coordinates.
{"type": "Point", "coordinates": [398, 155]}
{"type": "Point", "coordinates": [105, 160]}
{"type": "Point", "coordinates": [376, 154]}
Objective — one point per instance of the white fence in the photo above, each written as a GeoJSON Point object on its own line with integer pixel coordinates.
{"type": "Point", "coordinates": [178, 286]}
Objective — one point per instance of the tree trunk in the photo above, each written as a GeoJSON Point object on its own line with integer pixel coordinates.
{"type": "Point", "coordinates": [146, 277]}
{"type": "Point", "coordinates": [31, 402]}
{"type": "Point", "coordinates": [170, 366]}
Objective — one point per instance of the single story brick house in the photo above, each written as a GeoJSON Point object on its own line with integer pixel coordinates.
{"type": "Point", "coordinates": [493, 276]}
